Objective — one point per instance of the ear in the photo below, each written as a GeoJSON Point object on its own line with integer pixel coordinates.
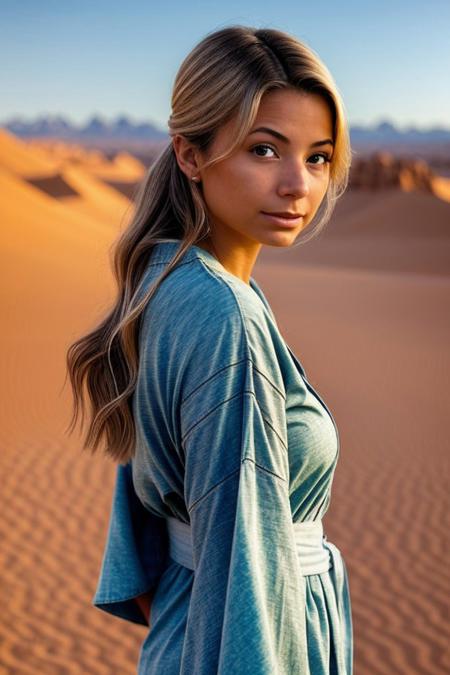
{"type": "Point", "coordinates": [187, 156]}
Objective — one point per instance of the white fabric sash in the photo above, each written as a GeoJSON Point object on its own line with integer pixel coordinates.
{"type": "Point", "coordinates": [313, 555]}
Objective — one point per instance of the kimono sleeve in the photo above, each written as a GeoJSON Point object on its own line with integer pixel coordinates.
{"type": "Point", "coordinates": [247, 610]}
{"type": "Point", "coordinates": [135, 552]}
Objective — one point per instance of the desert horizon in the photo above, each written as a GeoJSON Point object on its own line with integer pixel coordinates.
{"type": "Point", "coordinates": [365, 308]}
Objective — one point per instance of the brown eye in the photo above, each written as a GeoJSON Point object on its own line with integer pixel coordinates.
{"type": "Point", "coordinates": [262, 146]}
{"type": "Point", "coordinates": [326, 158]}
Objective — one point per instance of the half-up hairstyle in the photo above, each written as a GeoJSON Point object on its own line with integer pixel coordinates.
{"type": "Point", "coordinates": [223, 79]}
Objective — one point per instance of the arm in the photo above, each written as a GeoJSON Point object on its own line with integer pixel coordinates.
{"type": "Point", "coordinates": [145, 601]}
{"type": "Point", "coordinates": [247, 610]}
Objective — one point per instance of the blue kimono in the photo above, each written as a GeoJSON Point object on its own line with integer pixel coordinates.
{"type": "Point", "coordinates": [233, 440]}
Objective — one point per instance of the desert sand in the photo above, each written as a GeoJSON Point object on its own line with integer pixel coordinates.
{"type": "Point", "coordinates": [364, 307]}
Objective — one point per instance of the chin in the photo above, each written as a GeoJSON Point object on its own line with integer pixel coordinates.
{"type": "Point", "coordinates": [281, 239]}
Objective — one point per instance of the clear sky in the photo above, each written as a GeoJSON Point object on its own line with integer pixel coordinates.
{"type": "Point", "coordinates": [390, 59]}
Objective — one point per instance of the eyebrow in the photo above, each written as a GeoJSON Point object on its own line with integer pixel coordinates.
{"type": "Point", "coordinates": [281, 137]}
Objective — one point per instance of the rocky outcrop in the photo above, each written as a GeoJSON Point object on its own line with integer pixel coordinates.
{"type": "Point", "coordinates": [382, 170]}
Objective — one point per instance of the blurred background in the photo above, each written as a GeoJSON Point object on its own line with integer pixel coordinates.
{"type": "Point", "coordinates": [83, 113]}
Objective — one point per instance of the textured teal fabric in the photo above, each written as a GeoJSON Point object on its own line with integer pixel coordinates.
{"type": "Point", "coordinates": [233, 439]}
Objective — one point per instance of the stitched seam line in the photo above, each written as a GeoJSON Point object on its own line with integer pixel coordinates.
{"type": "Point", "coordinates": [199, 386]}
{"type": "Point", "coordinates": [246, 391]}
{"type": "Point", "coordinates": [246, 358]}
{"type": "Point", "coordinates": [211, 489]}
{"type": "Point", "coordinates": [263, 468]}
{"type": "Point", "coordinates": [199, 421]}
{"type": "Point", "coordinates": [230, 475]}
{"type": "Point", "coordinates": [270, 425]}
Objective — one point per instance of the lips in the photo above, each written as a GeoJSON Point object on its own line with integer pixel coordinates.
{"type": "Point", "coordinates": [284, 214]}
{"type": "Point", "coordinates": [286, 220]}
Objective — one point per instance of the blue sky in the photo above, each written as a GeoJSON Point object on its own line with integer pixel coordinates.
{"type": "Point", "coordinates": [390, 59]}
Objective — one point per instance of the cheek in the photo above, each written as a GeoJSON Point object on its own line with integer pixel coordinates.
{"type": "Point", "coordinates": [319, 187]}
{"type": "Point", "coordinates": [231, 187]}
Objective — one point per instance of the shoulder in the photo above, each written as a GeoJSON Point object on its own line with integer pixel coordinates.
{"type": "Point", "coordinates": [197, 295]}
{"type": "Point", "coordinates": [201, 314]}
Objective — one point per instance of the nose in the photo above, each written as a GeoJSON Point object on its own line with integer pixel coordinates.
{"type": "Point", "coordinates": [294, 181]}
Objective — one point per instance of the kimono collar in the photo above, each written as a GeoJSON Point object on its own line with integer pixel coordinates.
{"type": "Point", "coordinates": [164, 251]}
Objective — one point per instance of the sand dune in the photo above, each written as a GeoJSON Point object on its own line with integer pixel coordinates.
{"type": "Point", "coordinates": [23, 159]}
{"type": "Point", "coordinates": [392, 213]}
{"type": "Point", "coordinates": [387, 230]}
{"type": "Point", "coordinates": [374, 343]}
{"type": "Point", "coordinates": [95, 198]}
{"type": "Point", "coordinates": [33, 221]}
{"type": "Point", "coordinates": [78, 177]}
{"type": "Point", "coordinates": [124, 166]}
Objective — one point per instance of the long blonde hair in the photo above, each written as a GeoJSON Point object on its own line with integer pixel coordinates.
{"type": "Point", "coordinates": [223, 78]}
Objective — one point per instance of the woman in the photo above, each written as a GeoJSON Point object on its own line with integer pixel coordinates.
{"type": "Point", "coordinates": [225, 452]}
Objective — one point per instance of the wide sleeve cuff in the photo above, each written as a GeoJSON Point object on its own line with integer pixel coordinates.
{"type": "Point", "coordinates": [135, 553]}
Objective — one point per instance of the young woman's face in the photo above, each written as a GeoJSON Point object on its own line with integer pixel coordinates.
{"type": "Point", "coordinates": [282, 167]}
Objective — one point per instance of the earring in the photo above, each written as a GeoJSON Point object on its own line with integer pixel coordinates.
{"type": "Point", "coordinates": [195, 178]}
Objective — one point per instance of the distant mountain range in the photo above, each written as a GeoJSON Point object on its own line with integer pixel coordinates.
{"type": "Point", "coordinates": [97, 128]}
{"type": "Point", "coordinates": [386, 132]}
{"type": "Point", "coordinates": [122, 129]}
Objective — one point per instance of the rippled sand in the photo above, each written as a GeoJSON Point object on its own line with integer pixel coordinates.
{"type": "Point", "coordinates": [372, 332]}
